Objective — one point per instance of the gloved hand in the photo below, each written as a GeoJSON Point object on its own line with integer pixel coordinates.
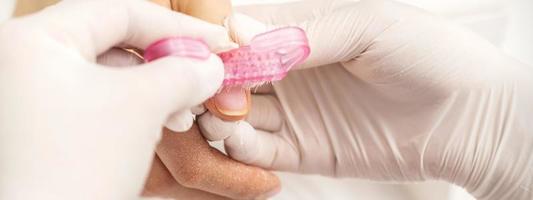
{"type": "Point", "coordinates": [186, 167]}
{"type": "Point", "coordinates": [389, 93]}
{"type": "Point", "coordinates": [71, 128]}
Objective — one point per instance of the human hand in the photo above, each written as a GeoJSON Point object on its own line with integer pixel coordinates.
{"type": "Point", "coordinates": [161, 184]}
{"type": "Point", "coordinates": [192, 163]}
{"type": "Point", "coordinates": [71, 128]}
{"type": "Point", "coordinates": [186, 167]}
{"type": "Point", "coordinates": [389, 93]}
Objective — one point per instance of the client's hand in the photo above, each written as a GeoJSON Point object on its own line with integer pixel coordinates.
{"type": "Point", "coordinates": [186, 167]}
{"type": "Point", "coordinates": [199, 171]}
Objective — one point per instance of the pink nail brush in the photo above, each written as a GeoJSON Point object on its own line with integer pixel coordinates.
{"type": "Point", "coordinates": [267, 58]}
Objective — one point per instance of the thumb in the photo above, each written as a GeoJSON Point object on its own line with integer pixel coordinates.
{"type": "Point", "coordinates": [172, 83]}
{"type": "Point", "coordinates": [338, 31]}
{"type": "Point", "coordinates": [243, 28]}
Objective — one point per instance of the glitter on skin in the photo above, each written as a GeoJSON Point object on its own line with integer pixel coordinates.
{"type": "Point", "coordinates": [203, 167]}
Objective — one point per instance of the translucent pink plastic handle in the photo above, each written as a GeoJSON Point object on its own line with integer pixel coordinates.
{"type": "Point", "coordinates": [177, 46]}
{"type": "Point", "coordinates": [267, 58]}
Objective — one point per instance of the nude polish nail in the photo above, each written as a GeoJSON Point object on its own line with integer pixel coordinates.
{"type": "Point", "coordinates": [231, 104]}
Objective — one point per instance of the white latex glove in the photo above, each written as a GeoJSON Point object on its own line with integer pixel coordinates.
{"type": "Point", "coordinates": [6, 9]}
{"type": "Point", "coordinates": [74, 129]}
{"type": "Point", "coordinates": [400, 95]}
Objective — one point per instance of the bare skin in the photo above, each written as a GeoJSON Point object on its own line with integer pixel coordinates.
{"type": "Point", "coordinates": [161, 183]}
{"type": "Point", "coordinates": [213, 11]}
{"type": "Point", "coordinates": [199, 166]}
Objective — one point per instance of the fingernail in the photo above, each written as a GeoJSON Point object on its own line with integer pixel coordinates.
{"type": "Point", "coordinates": [231, 104]}
{"type": "Point", "coordinates": [232, 101]}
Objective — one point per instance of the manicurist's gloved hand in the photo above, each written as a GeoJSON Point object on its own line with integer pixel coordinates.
{"type": "Point", "coordinates": [187, 167]}
{"type": "Point", "coordinates": [74, 129]}
{"type": "Point", "coordinates": [389, 93]}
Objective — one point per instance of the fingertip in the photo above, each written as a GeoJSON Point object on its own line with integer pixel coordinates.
{"type": "Point", "coordinates": [230, 104]}
{"type": "Point", "coordinates": [243, 28]}
{"type": "Point", "coordinates": [180, 122]}
{"type": "Point", "coordinates": [198, 110]}
{"type": "Point", "coordinates": [214, 128]}
{"type": "Point", "coordinates": [219, 39]}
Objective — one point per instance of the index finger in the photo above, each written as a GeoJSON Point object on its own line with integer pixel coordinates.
{"type": "Point", "coordinates": [195, 164]}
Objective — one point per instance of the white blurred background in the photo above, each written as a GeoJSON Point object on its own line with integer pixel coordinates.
{"type": "Point", "coordinates": [506, 23]}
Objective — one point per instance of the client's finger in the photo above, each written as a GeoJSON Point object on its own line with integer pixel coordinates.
{"type": "Point", "coordinates": [230, 104]}
{"type": "Point", "coordinates": [193, 163]}
{"type": "Point", "coordinates": [265, 115]}
{"type": "Point", "coordinates": [160, 183]}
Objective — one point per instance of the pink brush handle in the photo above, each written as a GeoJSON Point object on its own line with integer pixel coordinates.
{"type": "Point", "coordinates": [177, 46]}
